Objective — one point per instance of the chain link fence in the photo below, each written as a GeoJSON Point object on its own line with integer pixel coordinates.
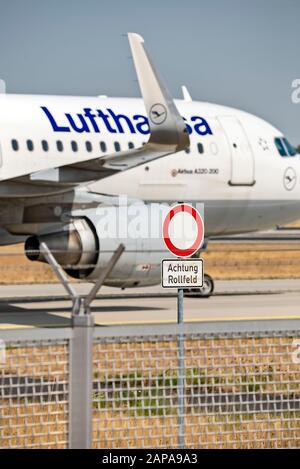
{"type": "Point", "coordinates": [34, 394]}
{"type": "Point", "coordinates": [206, 385]}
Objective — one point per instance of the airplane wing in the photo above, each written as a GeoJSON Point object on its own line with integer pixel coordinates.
{"type": "Point", "coordinates": [168, 133]}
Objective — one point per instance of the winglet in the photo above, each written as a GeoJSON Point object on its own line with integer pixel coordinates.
{"type": "Point", "coordinates": [167, 126]}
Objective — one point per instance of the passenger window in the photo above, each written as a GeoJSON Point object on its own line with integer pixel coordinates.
{"type": "Point", "coordinates": [59, 145]}
{"type": "Point", "coordinates": [45, 145]}
{"type": "Point", "coordinates": [200, 148]}
{"type": "Point", "coordinates": [214, 148]}
{"type": "Point", "coordinates": [74, 146]}
{"type": "Point", "coordinates": [117, 146]}
{"type": "Point", "coordinates": [130, 145]}
{"type": "Point", "coordinates": [30, 145]}
{"type": "Point", "coordinates": [88, 146]}
{"type": "Point", "coordinates": [280, 147]}
{"type": "Point", "coordinates": [103, 147]}
{"type": "Point", "coordinates": [15, 145]}
{"type": "Point", "coordinates": [291, 150]}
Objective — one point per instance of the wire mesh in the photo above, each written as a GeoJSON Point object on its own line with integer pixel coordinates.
{"type": "Point", "coordinates": [34, 394]}
{"type": "Point", "coordinates": [240, 391]}
{"type": "Point", "coordinates": [191, 390]}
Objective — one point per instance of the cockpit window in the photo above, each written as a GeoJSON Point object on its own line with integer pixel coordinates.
{"type": "Point", "coordinates": [291, 150]}
{"type": "Point", "coordinates": [280, 147]}
{"type": "Point", "coordinates": [284, 147]}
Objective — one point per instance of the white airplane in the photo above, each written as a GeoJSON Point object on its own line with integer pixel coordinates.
{"type": "Point", "coordinates": [61, 158]}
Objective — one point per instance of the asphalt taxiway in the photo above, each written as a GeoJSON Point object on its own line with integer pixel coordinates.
{"type": "Point", "coordinates": [23, 306]}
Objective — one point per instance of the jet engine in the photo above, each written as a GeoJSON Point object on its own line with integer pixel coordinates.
{"type": "Point", "coordinates": [86, 244]}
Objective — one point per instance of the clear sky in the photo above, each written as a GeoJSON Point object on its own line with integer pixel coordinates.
{"type": "Point", "coordinates": [242, 53]}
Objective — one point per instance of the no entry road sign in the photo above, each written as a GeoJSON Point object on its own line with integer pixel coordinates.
{"type": "Point", "coordinates": [183, 230]}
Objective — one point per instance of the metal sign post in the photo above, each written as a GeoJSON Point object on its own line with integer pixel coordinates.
{"type": "Point", "coordinates": [181, 372]}
{"type": "Point", "coordinates": [182, 273]}
{"type": "Point", "coordinates": [180, 297]}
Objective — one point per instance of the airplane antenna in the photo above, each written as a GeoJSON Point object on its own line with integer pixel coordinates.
{"type": "Point", "coordinates": [185, 93]}
{"type": "Point", "coordinates": [2, 86]}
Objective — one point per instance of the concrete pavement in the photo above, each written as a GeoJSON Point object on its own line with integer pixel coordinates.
{"type": "Point", "coordinates": [48, 306]}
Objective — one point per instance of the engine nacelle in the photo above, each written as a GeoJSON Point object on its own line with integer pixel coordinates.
{"type": "Point", "coordinates": [76, 248]}
{"type": "Point", "coordinates": [87, 244]}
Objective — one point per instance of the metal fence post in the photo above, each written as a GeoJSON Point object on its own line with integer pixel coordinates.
{"type": "Point", "coordinates": [81, 353]}
{"type": "Point", "coordinates": [81, 364]}
{"type": "Point", "coordinates": [81, 383]}
{"type": "Point", "coordinates": [181, 372]}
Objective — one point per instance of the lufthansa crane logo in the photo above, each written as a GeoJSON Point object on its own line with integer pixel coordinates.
{"type": "Point", "coordinates": [289, 179]}
{"type": "Point", "coordinates": [158, 113]}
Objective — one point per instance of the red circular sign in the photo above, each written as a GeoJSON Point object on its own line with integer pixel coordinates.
{"type": "Point", "coordinates": [197, 243]}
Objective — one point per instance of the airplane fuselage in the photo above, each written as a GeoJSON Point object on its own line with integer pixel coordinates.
{"type": "Point", "coordinates": [246, 180]}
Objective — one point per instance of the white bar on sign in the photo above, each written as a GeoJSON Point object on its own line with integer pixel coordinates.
{"type": "Point", "coordinates": [182, 273]}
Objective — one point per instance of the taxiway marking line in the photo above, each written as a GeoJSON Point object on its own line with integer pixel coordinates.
{"type": "Point", "coordinates": [16, 326]}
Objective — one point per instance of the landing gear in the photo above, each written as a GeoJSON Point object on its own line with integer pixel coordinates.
{"type": "Point", "coordinates": [208, 284]}
{"type": "Point", "coordinates": [205, 291]}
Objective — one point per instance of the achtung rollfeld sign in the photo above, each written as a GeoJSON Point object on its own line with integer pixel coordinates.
{"type": "Point", "coordinates": [182, 273]}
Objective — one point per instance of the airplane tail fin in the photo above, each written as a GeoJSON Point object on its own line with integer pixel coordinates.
{"type": "Point", "coordinates": [166, 124]}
